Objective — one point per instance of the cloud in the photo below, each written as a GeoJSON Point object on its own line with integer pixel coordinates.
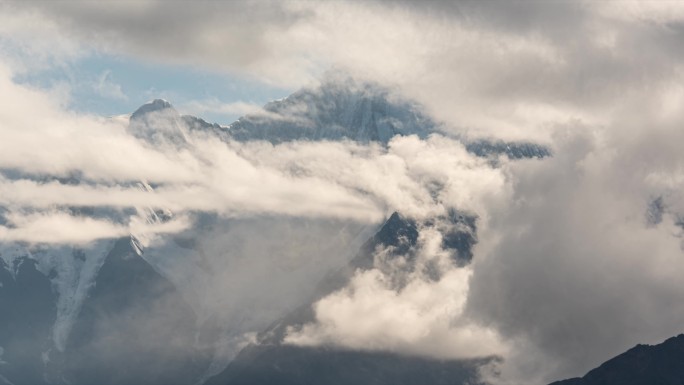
{"type": "Point", "coordinates": [43, 145]}
{"type": "Point", "coordinates": [39, 136]}
{"type": "Point", "coordinates": [291, 43]}
{"type": "Point", "coordinates": [507, 70]}
{"type": "Point", "coordinates": [58, 228]}
{"type": "Point", "coordinates": [254, 112]}
{"type": "Point", "coordinates": [32, 42]}
{"type": "Point", "coordinates": [405, 177]}
{"type": "Point", "coordinates": [424, 317]}
{"type": "Point", "coordinates": [55, 227]}
{"type": "Point", "coordinates": [40, 140]}
{"type": "Point", "coordinates": [569, 263]}
{"type": "Point", "coordinates": [215, 106]}
{"type": "Point", "coordinates": [294, 179]}
{"type": "Point", "coordinates": [368, 315]}
{"type": "Point", "coordinates": [106, 88]}
{"type": "Point", "coordinates": [233, 35]}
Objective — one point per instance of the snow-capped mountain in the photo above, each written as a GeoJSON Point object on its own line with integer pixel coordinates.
{"type": "Point", "coordinates": [335, 110]}
{"type": "Point", "coordinates": [342, 108]}
{"type": "Point", "coordinates": [157, 122]}
{"type": "Point", "coordinates": [120, 312]}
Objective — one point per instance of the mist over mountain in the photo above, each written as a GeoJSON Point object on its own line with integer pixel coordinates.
{"type": "Point", "coordinates": [151, 306]}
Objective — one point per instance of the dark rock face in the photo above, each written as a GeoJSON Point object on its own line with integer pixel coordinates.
{"type": "Point", "coordinates": [400, 234]}
{"type": "Point", "coordinates": [27, 312]}
{"type": "Point", "coordinates": [134, 328]}
{"type": "Point", "coordinates": [514, 150]}
{"type": "Point", "coordinates": [655, 211]}
{"type": "Point", "coordinates": [661, 364]}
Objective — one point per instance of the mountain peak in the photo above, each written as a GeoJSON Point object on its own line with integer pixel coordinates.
{"type": "Point", "coordinates": [339, 108]}
{"type": "Point", "coordinates": [158, 122]}
{"type": "Point", "coordinates": [152, 106]}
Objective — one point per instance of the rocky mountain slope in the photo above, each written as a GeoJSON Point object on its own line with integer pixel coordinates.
{"type": "Point", "coordinates": [661, 364]}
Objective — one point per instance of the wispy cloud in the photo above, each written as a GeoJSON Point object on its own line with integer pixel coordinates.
{"type": "Point", "coordinates": [107, 88]}
{"type": "Point", "coordinates": [198, 108]}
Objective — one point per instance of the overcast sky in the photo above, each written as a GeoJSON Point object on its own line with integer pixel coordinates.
{"type": "Point", "coordinates": [570, 268]}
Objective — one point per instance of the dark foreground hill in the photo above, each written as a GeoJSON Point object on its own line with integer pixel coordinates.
{"type": "Point", "coordinates": [661, 364]}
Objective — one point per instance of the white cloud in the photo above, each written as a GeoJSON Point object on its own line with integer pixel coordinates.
{"type": "Point", "coordinates": [58, 228]}
{"type": "Point", "coordinates": [41, 139]}
{"type": "Point", "coordinates": [424, 317]}
{"type": "Point", "coordinates": [403, 177]}
{"type": "Point", "coordinates": [215, 106]}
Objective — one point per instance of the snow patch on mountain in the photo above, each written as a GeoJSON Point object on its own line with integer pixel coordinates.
{"type": "Point", "coordinates": [72, 271]}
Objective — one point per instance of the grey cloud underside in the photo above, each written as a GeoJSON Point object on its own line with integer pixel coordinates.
{"type": "Point", "coordinates": [181, 33]}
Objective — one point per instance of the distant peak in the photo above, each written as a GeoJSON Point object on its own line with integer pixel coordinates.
{"type": "Point", "coordinates": [159, 103]}
{"type": "Point", "coordinates": [158, 122]}
{"type": "Point", "coordinates": [152, 106]}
